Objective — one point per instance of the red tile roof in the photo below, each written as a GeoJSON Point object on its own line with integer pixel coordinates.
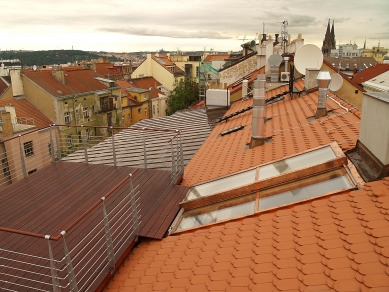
{"type": "Point", "coordinates": [220, 156]}
{"type": "Point", "coordinates": [219, 57]}
{"type": "Point", "coordinates": [25, 109]}
{"type": "Point", "coordinates": [165, 62]}
{"type": "Point", "coordinates": [370, 73]}
{"type": "Point", "coordinates": [146, 83]}
{"type": "Point", "coordinates": [76, 81]}
{"type": "Point", "coordinates": [107, 69]}
{"type": "Point", "coordinates": [338, 243]}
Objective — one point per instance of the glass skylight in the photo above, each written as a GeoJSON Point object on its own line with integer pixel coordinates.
{"type": "Point", "coordinates": [333, 184]}
{"type": "Point", "coordinates": [245, 178]}
{"type": "Point", "coordinates": [310, 191]}
{"type": "Point", "coordinates": [217, 215]}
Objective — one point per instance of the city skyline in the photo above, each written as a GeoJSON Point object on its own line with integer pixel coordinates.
{"type": "Point", "coordinates": [121, 26]}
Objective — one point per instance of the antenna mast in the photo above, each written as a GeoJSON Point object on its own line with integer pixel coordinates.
{"type": "Point", "coordinates": [284, 33]}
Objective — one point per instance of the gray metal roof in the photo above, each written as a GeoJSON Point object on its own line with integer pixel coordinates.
{"type": "Point", "coordinates": [129, 143]}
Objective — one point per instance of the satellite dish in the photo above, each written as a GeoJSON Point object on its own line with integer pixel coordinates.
{"type": "Point", "coordinates": [308, 56]}
{"type": "Point", "coordinates": [275, 60]}
{"type": "Point", "coordinates": [336, 82]}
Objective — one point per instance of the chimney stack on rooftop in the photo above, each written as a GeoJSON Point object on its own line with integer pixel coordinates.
{"type": "Point", "coordinates": [323, 80]}
{"type": "Point", "coordinates": [245, 85]}
{"type": "Point", "coordinates": [59, 75]}
{"type": "Point", "coordinates": [7, 127]}
{"type": "Point", "coordinates": [258, 127]}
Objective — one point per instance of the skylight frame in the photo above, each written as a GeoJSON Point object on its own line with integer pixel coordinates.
{"type": "Point", "coordinates": [265, 182]}
{"type": "Point", "coordinates": [277, 190]}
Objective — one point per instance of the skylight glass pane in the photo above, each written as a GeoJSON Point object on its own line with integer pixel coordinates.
{"type": "Point", "coordinates": [297, 162]}
{"type": "Point", "coordinates": [321, 188]}
{"type": "Point", "coordinates": [222, 184]}
{"type": "Point", "coordinates": [215, 216]}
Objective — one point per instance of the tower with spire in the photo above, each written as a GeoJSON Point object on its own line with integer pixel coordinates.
{"type": "Point", "coordinates": [329, 42]}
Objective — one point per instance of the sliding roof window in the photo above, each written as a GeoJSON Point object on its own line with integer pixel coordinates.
{"type": "Point", "coordinates": [320, 185]}
{"type": "Point", "coordinates": [241, 179]}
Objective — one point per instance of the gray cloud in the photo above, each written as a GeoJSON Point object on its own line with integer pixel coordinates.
{"type": "Point", "coordinates": [164, 33]}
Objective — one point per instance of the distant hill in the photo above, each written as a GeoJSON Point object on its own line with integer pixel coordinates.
{"type": "Point", "coordinates": [53, 57]}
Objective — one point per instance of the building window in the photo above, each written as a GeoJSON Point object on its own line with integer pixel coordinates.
{"type": "Point", "coordinates": [153, 109]}
{"type": "Point", "coordinates": [76, 115]}
{"type": "Point", "coordinates": [28, 149]}
{"type": "Point", "coordinates": [144, 96]}
{"type": "Point", "coordinates": [158, 108]}
{"type": "Point", "coordinates": [67, 117]}
{"type": "Point", "coordinates": [139, 111]}
{"type": "Point", "coordinates": [85, 112]}
{"type": "Point", "coordinates": [70, 141]}
{"type": "Point", "coordinates": [49, 146]}
{"type": "Point", "coordinates": [146, 112]}
{"type": "Point", "coordinates": [87, 133]}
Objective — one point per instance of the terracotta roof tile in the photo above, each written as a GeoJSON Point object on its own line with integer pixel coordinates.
{"type": "Point", "coordinates": [25, 109]}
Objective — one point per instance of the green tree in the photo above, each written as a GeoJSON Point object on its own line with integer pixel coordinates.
{"type": "Point", "coordinates": [185, 93]}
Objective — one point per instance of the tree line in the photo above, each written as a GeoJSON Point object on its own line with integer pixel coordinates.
{"type": "Point", "coordinates": [52, 57]}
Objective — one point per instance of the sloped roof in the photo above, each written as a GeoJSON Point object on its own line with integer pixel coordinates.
{"type": "Point", "coordinates": [345, 77]}
{"type": "Point", "coordinates": [370, 73]}
{"type": "Point", "coordinates": [338, 243]}
{"type": "Point", "coordinates": [165, 62]}
{"type": "Point", "coordinates": [107, 68]}
{"type": "Point", "coordinates": [25, 109]}
{"type": "Point", "coordinates": [3, 86]}
{"type": "Point", "coordinates": [241, 59]}
{"type": "Point", "coordinates": [218, 57]}
{"type": "Point", "coordinates": [224, 155]}
{"type": "Point", "coordinates": [146, 83]}
{"type": "Point", "coordinates": [194, 127]}
{"type": "Point", "coordinates": [237, 85]}
{"type": "Point", "coordinates": [360, 62]}
{"type": "Point", "coordinates": [76, 81]}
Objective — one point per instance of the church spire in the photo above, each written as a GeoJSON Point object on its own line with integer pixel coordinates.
{"type": "Point", "coordinates": [332, 29]}
{"type": "Point", "coordinates": [328, 27]}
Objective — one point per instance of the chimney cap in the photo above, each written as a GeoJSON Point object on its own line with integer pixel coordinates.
{"type": "Point", "coordinates": [323, 75]}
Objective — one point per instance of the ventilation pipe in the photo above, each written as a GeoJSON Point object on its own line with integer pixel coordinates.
{"type": "Point", "coordinates": [323, 80]}
{"type": "Point", "coordinates": [258, 127]}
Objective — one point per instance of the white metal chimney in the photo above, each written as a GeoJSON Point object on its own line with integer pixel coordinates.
{"type": "Point", "coordinates": [258, 126]}
{"type": "Point", "coordinates": [323, 80]}
{"type": "Point", "coordinates": [245, 85]}
{"type": "Point", "coordinates": [286, 63]}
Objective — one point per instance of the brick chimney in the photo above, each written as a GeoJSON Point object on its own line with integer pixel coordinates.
{"type": "Point", "coordinates": [323, 80]}
{"type": "Point", "coordinates": [258, 126]}
{"type": "Point", "coordinates": [371, 154]}
{"type": "Point", "coordinates": [7, 126]}
{"type": "Point", "coordinates": [59, 75]}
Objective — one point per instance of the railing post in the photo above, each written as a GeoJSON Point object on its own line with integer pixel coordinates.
{"type": "Point", "coordinates": [134, 210]}
{"type": "Point", "coordinates": [108, 237]}
{"type": "Point", "coordinates": [113, 147]}
{"type": "Point", "coordinates": [52, 146]}
{"type": "Point", "coordinates": [69, 266]}
{"type": "Point", "coordinates": [85, 148]}
{"type": "Point", "coordinates": [173, 163]}
{"type": "Point", "coordinates": [53, 269]}
{"type": "Point", "coordinates": [58, 146]}
{"type": "Point", "coordinates": [182, 155]}
{"type": "Point", "coordinates": [144, 149]}
{"type": "Point", "coordinates": [22, 158]}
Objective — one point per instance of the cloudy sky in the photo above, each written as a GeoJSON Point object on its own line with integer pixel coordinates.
{"type": "Point", "coordinates": [150, 25]}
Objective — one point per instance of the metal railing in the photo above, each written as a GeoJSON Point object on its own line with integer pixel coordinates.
{"type": "Point", "coordinates": [81, 256]}
{"type": "Point", "coordinates": [134, 147]}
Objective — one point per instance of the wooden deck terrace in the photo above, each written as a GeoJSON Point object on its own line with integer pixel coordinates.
{"type": "Point", "coordinates": [35, 253]}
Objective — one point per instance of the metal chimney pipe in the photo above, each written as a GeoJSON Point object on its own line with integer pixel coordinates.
{"type": "Point", "coordinates": [258, 126]}
{"type": "Point", "coordinates": [323, 80]}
